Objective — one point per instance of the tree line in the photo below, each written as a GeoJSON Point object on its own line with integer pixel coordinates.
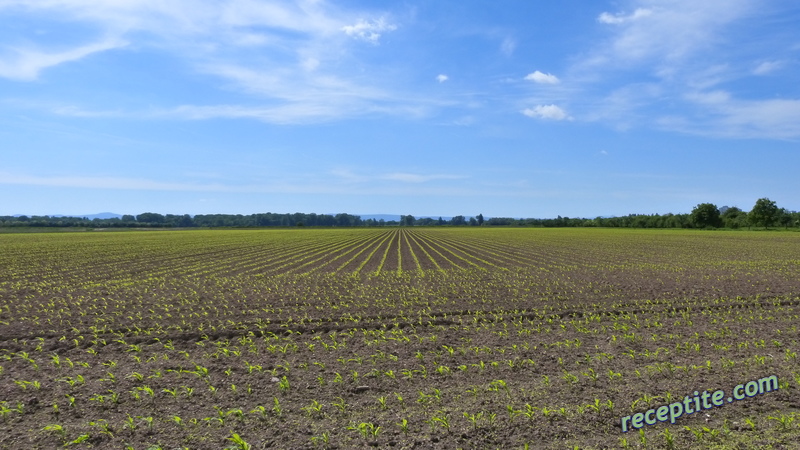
{"type": "Point", "coordinates": [765, 213]}
{"type": "Point", "coordinates": [155, 220]}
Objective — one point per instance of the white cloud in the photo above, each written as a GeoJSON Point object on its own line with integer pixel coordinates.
{"type": "Point", "coordinates": [106, 183]}
{"type": "Point", "coordinates": [619, 18]}
{"type": "Point", "coordinates": [417, 178]}
{"type": "Point", "coordinates": [298, 110]}
{"type": "Point", "coordinates": [441, 78]}
{"type": "Point", "coordinates": [665, 34]}
{"type": "Point", "coordinates": [184, 17]}
{"type": "Point", "coordinates": [291, 113]}
{"type": "Point", "coordinates": [413, 184]}
{"type": "Point", "coordinates": [723, 115]}
{"type": "Point", "coordinates": [304, 16]}
{"type": "Point", "coordinates": [292, 97]}
{"type": "Point", "coordinates": [661, 65]}
{"type": "Point", "coordinates": [623, 106]}
{"type": "Point", "coordinates": [508, 46]}
{"type": "Point", "coordinates": [710, 98]}
{"type": "Point", "coordinates": [550, 112]}
{"type": "Point", "coordinates": [310, 64]}
{"type": "Point", "coordinates": [542, 78]}
{"type": "Point", "coordinates": [463, 121]}
{"type": "Point", "coordinates": [369, 31]}
{"type": "Point", "coordinates": [26, 64]}
{"type": "Point", "coordinates": [767, 67]}
{"type": "Point", "coordinates": [349, 176]}
{"type": "Point", "coordinates": [75, 111]}
{"type": "Point", "coordinates": [307, 70]}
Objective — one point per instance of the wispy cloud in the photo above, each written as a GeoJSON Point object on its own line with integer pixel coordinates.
{"type": "Point", "coordinates": [346, 183]}
{"type": "Point", "coordinates": [282, 113]}
{"type": "Point", "coordinates": [549, 112]}
{"type": "Point", "coordinates": [619, 18]}
{"type": "Point", "coordinates": [75, 111]}
{"type": "Point", "coordinates": [665, 35]}
{"type": "Point", "coordinates": [292, 113]}
{"type": "Point", "coordinates": [673, 55]}
{"type": "Point", "coordinates": [289, 113]}
{"type": "Point", "coordinates": [293, 56]}
{"type": "Point", "coordinates": [369, 31]}
{"type": "Point", "coordinates": [222, 19]}
{"type": "Point", "coordinates": [542, 78]}
{"type": "Point", "coordinates": [405, 177]}
{"type": "Point", "coordinates": [146, 184]}
{"type": "Point", "coordinates": [508, 46]}
{"type": "Point", "coordinates": [25, 64]}
{"type": "Point", "coordinates": [767, 67]}
{"type": "Point", "coordinates": [441, 78]}
{"type": "Point", "coordinates": [727, 116]}
{"type": "Point", "coordinates": [106, 183]}
{"type": "Point", "coordinates": [418, 178]}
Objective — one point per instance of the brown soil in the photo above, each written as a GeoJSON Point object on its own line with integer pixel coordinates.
{"type": "Point", "coordinates": [549, 355]}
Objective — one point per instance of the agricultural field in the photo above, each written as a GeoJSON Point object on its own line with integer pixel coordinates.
{"type": "Point", "coordinates": [397, 338]}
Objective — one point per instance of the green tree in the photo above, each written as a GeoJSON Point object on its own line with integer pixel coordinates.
{"type": "Point", "coordinates": [734, 217]}
{"type": "Point", "coordinates": [150, 218]}
{"type": "Point", "coordinates": [706, 215]}
{"type": "Point", "coordinates": [784, 217]}
{"type": "Point", "coordinates": [765, 212]}
{"type": "Point", "coordinates": [407, 221]}
{"type": "Point", "coordinates": [480, 219]}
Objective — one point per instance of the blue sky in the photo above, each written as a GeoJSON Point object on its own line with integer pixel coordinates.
{"type": "Point", "coordinates": [511, 108]}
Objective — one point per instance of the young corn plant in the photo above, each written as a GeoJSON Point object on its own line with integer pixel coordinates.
{"type": "Point", "coordinates": [283, 384]}
{"type": "Point", "coordinates": [596, 406]}
{"type": "Point", "coordinates": [148, 420]}
{"type": "Point", "coordinates": [366, 429]}
{"type": "Point", "coordinates": [340, 404]}
{"type": "Point", "coordinates": [57, 429]}
{"type": "Point", "coordinates": [314, 409]}
{"type": "Point", "coordinates": [784, 421]}
{"type": "Point", "coordinates": [442, 419]}
{"type": "Point", "coordinates": [238, 442]}
{"type": "Point", "coordinates": [403, 426]}
{"type": "Point", "coordinates": [498, 385]}
{"type": "Point", "coordinates": [382, 402]}
{"type": "Point", "coordinates": [78, 440]}
{"type": "Point", "coordinates": [104, 427]}
{"type": "Point", "coordinates": [474, 418]}
{"type": "Point", "coordinates": [400, 399]}
{"type": "Point", "coordinates": [669, 439]}
{"type": "Point", "coordinates": [323, 440]}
